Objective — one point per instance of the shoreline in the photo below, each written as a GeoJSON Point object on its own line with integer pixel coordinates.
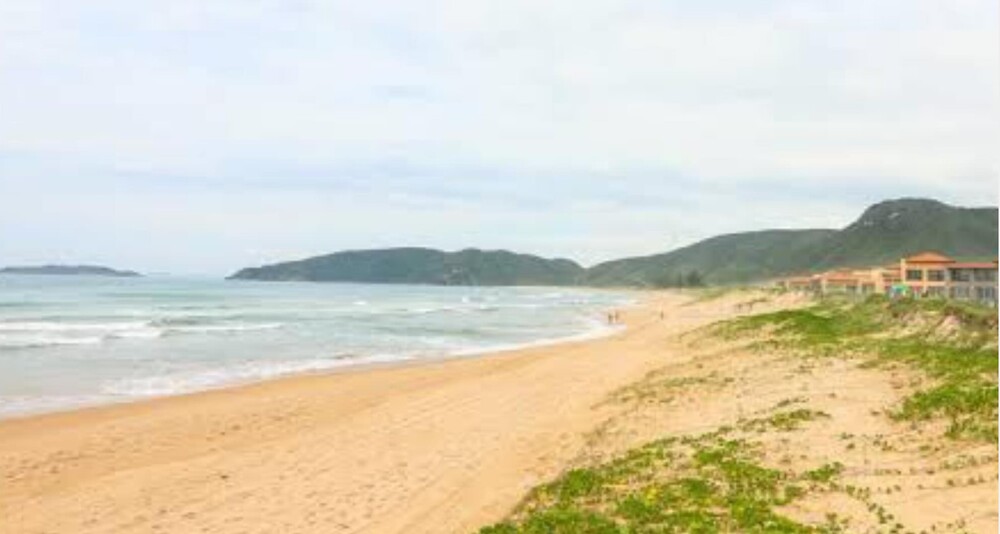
{"type": "Point", "coordinates": [442, 446]}
{"type": "Point", "coordinates": [371, 366]}
{"type": "Point", "coordinates": [385, 448]}
{"type": "Point", "coordinates": [454, 445]}
{"type": "Point", "coordinates": [601, 331]}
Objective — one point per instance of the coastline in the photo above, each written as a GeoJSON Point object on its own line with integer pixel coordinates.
{"type": "Point", "coordinates": [364, 364]}
{"type": "Point", "coordinates": [485, 427]}
{"type": "Point", "coordinates": [453, 445]}
{"type": "Point", "coordinates": [338, 337]}
{"type": "Point", "coordinates": [363, 367]}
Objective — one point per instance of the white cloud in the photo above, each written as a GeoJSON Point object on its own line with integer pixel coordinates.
{"type": "Point", "coordinates": [486, 110]}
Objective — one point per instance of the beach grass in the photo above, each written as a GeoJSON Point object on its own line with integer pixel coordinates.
{"type": "Point", "coordinates": [953, 344]}
{"type": "Point", "coordinates": [713, 482]}
{"type": "Point", "coordinates": [726, 480]}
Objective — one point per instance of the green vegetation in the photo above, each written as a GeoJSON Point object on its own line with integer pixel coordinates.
{"type": "Point", "coordinates": [733, 258]}
{"type": "Point", "coordinates": [671, 280]}
{"type": "Point", "coordinates": [783, 421]}
{"type": "Point", "coordinates": [657, 387]}
{"type": "Point", "coordinates": [883, 233]}
{"type": "Point", "coordinates": [709, 483]}
{"type": "Point", "coordinates": [423, 266]}
{"type": "Point", "coordinates": [953, 343]}
{"type": "Point", "coordinates": [734, 479]}
{"type": "Point", "coordinates": [713, 482]}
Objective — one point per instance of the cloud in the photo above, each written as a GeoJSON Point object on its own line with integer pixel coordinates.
{"type": "Point", "coordinates": [610, 127]}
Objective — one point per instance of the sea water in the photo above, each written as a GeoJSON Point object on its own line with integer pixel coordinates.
{"type": "Point", "coordinates": [69, 341]}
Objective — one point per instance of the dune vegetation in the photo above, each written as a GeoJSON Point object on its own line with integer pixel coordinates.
{"type": "Point", "coordinates": [792, 467]}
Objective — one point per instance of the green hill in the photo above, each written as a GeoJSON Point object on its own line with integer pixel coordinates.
{"type": "Point", "coordinates": [883, 233]}
{"type": "Point", "coordinates": [422, 266]}
{"type": "Point", "coordinates": [739, 257]}
{"type": "Point", "coordinates": [894, 228]}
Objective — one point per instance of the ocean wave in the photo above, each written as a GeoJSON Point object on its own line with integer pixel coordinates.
{"type": "Point", "coordinates": [59, 326]}
{"type": "Point", "coordinates": [37, 341]}
{"type": "Point", "coordinates": [211, 328]}
{"type": "Point", "coordinates": [38, 334]}
{"type": "Point", "coordinates": [185, 382]}
{"type": "Point", "coordinates": [19, 405]}
{"type": "Point", "coordinates": [143, 333]}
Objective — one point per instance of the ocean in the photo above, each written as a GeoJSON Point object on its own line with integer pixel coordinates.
{"type": "Point", "coordinates": [71, 341]}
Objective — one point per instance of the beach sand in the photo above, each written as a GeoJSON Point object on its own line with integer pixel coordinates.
{"type": "Point", "coordinates": [443, 447]}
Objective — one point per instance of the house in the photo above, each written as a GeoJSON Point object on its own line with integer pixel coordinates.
{"type": "Point", "coordinates": [936, 275]}
{"type": "Point", "coordinates": [926, 274]}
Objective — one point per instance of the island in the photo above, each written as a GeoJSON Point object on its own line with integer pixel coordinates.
{"type": "Point", "coordinates": [68, 270]}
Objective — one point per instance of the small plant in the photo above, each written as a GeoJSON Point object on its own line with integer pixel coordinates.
{"type": "Point", "coordinates": [962, 367]}
{"type": "Point", "coordinates": [824, 473]}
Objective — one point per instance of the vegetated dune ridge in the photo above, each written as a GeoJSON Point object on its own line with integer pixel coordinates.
{"type": "Point", "coordinates": [454, 445]}
{"type": "Point", "coordinates": [843, 416]}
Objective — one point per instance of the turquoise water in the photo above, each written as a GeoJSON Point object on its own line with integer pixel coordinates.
{"type": "Point", "coordinates": [71, 341]}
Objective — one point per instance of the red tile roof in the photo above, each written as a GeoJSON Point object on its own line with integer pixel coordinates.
{"type": "Point", "coordinates": [928, 257]}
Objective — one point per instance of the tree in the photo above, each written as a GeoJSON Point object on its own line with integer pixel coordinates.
{"type": "Point", "coordinates": [694, 279]}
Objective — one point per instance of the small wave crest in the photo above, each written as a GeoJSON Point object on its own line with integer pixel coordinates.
{"type": "Point", "coordinates": [36, 341]}
{"type": "Point", "coordinates": [185, 382]}
{"type": "Point", "coordinates": [38, 334]}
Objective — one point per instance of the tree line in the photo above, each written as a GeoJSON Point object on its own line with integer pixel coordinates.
{"type": "Point", "coordinates": [691, 278]}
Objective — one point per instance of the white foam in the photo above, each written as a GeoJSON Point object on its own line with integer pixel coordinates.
{"type": "Point", "coordinates": [597, 331]}
{"type": "Point", "coordinates": [57, 326]}
{"type": "Point", "coordinates": [30, 341]}
{"type": "Point", "coordinates": [241, 327]}
{"type": "Point", "coordinates": [143, 333]}
{"type": "Point", "coordinates": [20, 405]}
{"type": "Point", "coordinates": [186, 382]}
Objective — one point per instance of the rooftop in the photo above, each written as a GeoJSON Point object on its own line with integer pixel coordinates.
{"type": "Point", "coordinates": [974, 265]}
{"type": "Point", "coordinates": [928, 256]}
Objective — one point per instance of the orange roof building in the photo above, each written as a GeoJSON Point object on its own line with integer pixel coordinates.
{"type": "Point", "coordinates": [926, 274]}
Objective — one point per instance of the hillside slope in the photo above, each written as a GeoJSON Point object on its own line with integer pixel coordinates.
{"type": "Point", "coordinates": [883, 233]}
{"type": "Point", "coordinates": [727, 258]}
{"type": "Point", "coordinates": [422, 266]}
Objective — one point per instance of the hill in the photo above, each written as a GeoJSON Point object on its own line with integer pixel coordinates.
{"type": "Point", "coordinates": [422, 266]}
{"type": "Point", "coordinates": [77, 270]}
{"type": "Point", "coordinates": [741, 257]}
{"type": "Point", "coordinates": [883, 233]}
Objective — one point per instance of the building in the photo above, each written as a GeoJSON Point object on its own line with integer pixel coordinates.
{"type": "Point", "coordinates": [927, 274]}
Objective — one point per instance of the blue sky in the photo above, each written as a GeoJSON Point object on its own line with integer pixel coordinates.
{"type": "Point", "coordinates": [200, 137]}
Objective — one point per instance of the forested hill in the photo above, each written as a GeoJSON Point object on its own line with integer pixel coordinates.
{"type": "Point", "coordinates": [883, 233]}
{"type": "Point", "coordinates": [423, 266]}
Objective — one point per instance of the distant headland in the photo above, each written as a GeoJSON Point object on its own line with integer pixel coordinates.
{"type": "Point", "coordinates": [885, 232]}
{"type": "Point", "coordinates": [68, 270]}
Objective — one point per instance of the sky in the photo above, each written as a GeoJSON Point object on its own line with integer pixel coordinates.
{"type": "Point", "coordinates": [187, 136]}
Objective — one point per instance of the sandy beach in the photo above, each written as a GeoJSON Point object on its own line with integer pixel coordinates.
{"type": "Point", "coordinates": [439, 447]}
